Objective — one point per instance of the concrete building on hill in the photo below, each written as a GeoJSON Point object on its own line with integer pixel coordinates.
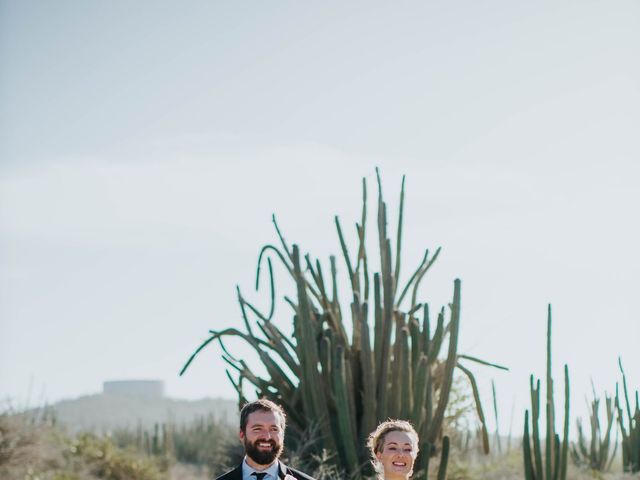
{"type": "Point", "coordinates": [149, 388]}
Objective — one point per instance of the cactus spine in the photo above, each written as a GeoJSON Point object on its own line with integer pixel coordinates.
{"type": "Point", "coordinates": [349, 383]}
{"type": "Point", "coordinates": [555, 452]}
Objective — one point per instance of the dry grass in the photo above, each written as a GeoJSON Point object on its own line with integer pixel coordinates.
{"type": "Point", "coordinates": [181, 471]}
{"type": "Point", "coordinates": [509, 467]}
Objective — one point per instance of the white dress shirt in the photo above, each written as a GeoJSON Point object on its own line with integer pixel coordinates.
{"type": "Point", "coordinates": [271, 471]}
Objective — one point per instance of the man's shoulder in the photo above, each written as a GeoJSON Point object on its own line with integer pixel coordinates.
{"type": "Point", "coordinates": [297, 473]}
{"type": "Point", "coordinates": [235, 474]}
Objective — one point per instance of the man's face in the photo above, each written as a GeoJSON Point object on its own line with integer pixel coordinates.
{"type": "Point", "coordinates": [263, 437]}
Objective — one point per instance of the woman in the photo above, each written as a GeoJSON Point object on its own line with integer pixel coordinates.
{"type": "Point", "coordinates": [394, 448]}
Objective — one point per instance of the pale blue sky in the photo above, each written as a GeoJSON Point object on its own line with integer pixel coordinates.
{"type": "Point", "coordinates": [144, 146]}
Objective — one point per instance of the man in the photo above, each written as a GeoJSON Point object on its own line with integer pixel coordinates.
{"type": "Point", "coordinates": [262, 426]}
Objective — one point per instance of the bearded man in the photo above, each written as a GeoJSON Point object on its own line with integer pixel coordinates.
{"type": "Point", "coordinates": [262, 425]}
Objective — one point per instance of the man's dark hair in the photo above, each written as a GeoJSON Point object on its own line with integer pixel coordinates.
{"type": "Point", "coordinates": [263, 405]}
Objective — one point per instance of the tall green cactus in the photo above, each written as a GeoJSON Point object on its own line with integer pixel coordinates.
{"type": "Point", "coordinates": [555, 453]}
{"type": "Point", "coordinates": [630, 432]}
{"type": "Point", "coordinates": [597, 455]}
{"type": "Point", "coordinates": [388, 366]}
{"type": "Point", "coordinates": [444, 461]}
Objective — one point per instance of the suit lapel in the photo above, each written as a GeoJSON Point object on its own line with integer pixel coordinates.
{"type": "Point", "coordinates": [282, 469]}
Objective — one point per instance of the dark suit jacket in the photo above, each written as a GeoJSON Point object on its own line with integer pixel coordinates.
{"type": "Point", "coordinates": [236, 473]}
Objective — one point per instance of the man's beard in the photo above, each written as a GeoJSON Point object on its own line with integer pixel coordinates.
{"type": "Point", "coordinates": [262, 457]}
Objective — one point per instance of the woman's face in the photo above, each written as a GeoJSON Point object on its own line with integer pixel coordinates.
{"type": "Point", "coordinates": [398, 454]}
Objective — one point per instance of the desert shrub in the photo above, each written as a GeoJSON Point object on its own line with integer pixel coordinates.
{"type": "Point", "coordinates": [106, 461]}
{"type": "Point", "coordinates": [41, 451]}
{"type": "Point", "coordinates": [205, 442]}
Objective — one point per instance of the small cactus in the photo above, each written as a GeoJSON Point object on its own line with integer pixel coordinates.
{"type": "Point", "coordinates": [555, 452]}
{"type": "Point", "coordinates": [596, 454]}
{"type": "Point", "coordinates": [630, 428]}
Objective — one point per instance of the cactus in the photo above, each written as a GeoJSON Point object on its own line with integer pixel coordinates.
{"type": "Point", "coordinates": [630, 432]}
{"type": "Point", "coordinates": [555, 453]}
{"type": "Point", "coordinates": [597, 455]}
{"type": "Point", "coordinates": [495, 414]}
{"type": "Point", "coordinates": [388, 366]}
{"type": "Point", "coordinates": [444, 461]}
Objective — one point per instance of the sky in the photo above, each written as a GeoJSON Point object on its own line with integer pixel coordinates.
{"type": "Point", "coordinates": [144, 148]}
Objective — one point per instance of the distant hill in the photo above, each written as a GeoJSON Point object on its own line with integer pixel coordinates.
{"type": "Point", "coordinates": [105, 412]}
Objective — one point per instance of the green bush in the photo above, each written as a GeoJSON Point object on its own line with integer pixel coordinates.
{"type": "Point", "coordinates": [106, 461]}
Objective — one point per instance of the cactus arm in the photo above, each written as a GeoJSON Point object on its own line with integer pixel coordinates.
{"type": "Point", "coordinates": [326, 362]}
{"type": "Point", "coordinates": [428, 408]}
{"type": "Point", "coordinates": [320, 296]}
{"type": "Point", "coordinates": [395, 392]}
{"type": "Point", "coordinates": [218, 334]}
{"type": "Point", "coordinates": [345, 414]}
{"type": "Point", "coordinates": [387, 322]}
{"type": "Point", "coordinates": [529, 473]}
{"type": "Point", "coordinates": [625, 438]}
{"type": "Point", "coordinates": [550, 426]}
{"type": "Point", "coordinates": [280, 343]}
{"type": "Point", "coordinates": [549, 440]}
{"type": "Point", "coordinates": [495, 413]}
{"type": "Point", "coordinates": [202, 346]}
{"type": "Point", "coordinates": [423, 459]}
{"type": "Point", "coordinates": [307, 346]}
{"type": "Point", "coordinates": [396, 273]}
{"type": "Point", "coordinates": [476, 398]}
{"type": "Point", "coordinates": [272, 287]}
{"type": "Point", "coordinates": [412, 278]}
{"type": "Point", "coordinates": [345, 253]}
{"type": "Point", "coordinates": [438, 335]}
{"type": "Point", "coordinates": [444, 459]}
{"type": "Point", "coordinates": [615, 450]}
{"type": "Point", "coordinates": [535, 431]}
{"type": "Point", "coordinates": [482, 362]}
{"type": "Point", "coordinates": [279, 254]}
{"type": "Point", "coordinates": [421, 275]}
{"type": "Point", "coordinates": [556, 456]}
{"type": "Point", "coordinates": [419, 391]}
{"type": "Point", "coordinates": [426, 330]}
{"type": "Point", "coordinates": [565, 431]}
{"type": "Point", "coordinates": [282, 240]}
{"type": "Point", "coordinates": [245, 319]}
{"type": "Point", "coordinates": [445, 389]}
{"type": "Point", "coordinates": [334, 288]}
{"type": "Point", "coordinates": [626, 393]}
{"type": "Point", "coordinates": [606, 441]}
{"type": "Point", "coordinates": [368, 377]}
{"type": "Point", "coordinates": [362, 251]}
{"type": "Point", "coordinates": [416, 342]}
{"type": "Point", "coordinates": [322, 287]}
{"type": "Point", "coordinates": [238, 388]}
{"type": "Point", "coordinates": [425, 446]}
{"type": "Point", "coordinates": [406, 376]}
{"type": "Point", "coordinates": [366, 277]}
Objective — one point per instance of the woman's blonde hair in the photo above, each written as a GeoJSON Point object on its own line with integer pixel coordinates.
{"type": "Point", "coordinates": [375, 442]}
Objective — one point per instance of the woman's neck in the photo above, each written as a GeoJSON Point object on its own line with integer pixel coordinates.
{"type": "Point", "coordinates": [395, 476]}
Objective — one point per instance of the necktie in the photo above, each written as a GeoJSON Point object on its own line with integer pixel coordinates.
{"type": "Point", "coordinates": [259, 475]}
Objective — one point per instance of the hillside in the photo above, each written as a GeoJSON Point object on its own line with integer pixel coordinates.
{"type": "Point", "coordinates": [105, 412]}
